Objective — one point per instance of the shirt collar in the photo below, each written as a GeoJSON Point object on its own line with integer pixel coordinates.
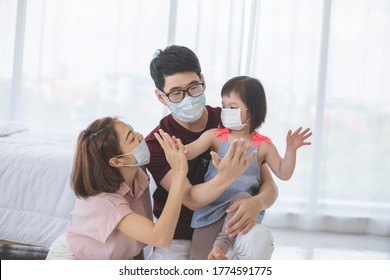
{"type": "Point", "coordinates": [141, 183]}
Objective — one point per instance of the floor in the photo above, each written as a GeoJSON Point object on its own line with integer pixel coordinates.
{"type": "Point", "coordinates": [21, 252]}
{"type": "Point", "coordinates": [303, 245]}
{"type": "Point", "coordinates": [289, 245]}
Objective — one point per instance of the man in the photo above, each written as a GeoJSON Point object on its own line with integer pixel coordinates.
{"type": "Point", "coordinates": [180, 85]}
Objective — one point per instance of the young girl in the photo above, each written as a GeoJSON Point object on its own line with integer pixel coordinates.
{"type": "Point", "coordinates": [112, 219]}
{"type": "Point", "coordinates": [244, 110]}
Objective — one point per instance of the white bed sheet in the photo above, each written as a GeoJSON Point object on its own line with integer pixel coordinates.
{"type": "Point", "coordinates": [35, 194]}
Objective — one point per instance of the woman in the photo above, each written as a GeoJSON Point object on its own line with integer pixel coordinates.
{"type": "Point", "coordinates": [112, 219]}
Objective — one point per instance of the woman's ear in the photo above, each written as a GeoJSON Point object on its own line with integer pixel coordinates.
{"type": "Point", "coordinates": [115, 162]}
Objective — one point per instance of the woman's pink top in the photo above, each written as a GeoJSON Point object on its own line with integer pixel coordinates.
{"type": "Point", "coordinates": [92, 233]}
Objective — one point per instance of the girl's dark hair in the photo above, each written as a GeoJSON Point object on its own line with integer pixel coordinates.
{"type": "Point", "coordinates": [251, 92]}
{"type": "Point", "coordinates": [91, 172]}
{"type": "Point", "coordinates": [173, 59]}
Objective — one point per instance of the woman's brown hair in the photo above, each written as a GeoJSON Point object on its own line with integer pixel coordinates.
{"type": "Point", "coordinates": [91, 172]}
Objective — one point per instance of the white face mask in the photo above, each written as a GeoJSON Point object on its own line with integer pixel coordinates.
{"type": "Point", "coordinates": [190, 109]}
{"type": "Point", "coordinates": [141, 154]}
{"type": "Point", "coordinates": [231, 118]}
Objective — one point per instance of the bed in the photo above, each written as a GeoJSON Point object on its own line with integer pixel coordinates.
{"type": "Point", "coordinates": [36, 198]}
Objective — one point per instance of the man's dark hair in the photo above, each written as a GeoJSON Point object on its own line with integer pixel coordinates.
{"type": "Point", "coordinates": [173, 59]}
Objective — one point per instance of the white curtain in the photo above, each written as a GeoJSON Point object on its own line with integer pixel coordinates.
{"type": "Point", "coordinates": [324, 64]}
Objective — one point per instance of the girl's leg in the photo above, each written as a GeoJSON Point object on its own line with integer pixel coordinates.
{"type": "Point", "coordinates": [203, 239]}
{"type": "Point", "coordinates": [223, 242]}
{"type": "Point", "coordinates": [257, 244]}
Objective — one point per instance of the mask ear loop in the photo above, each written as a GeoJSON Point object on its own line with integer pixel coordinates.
{"type": "Point", "coordinates": [124, 155]}
{"type": "Point", "coordinates": [246, 123]}
{"type": "Point", "coordinates": [163, 95]}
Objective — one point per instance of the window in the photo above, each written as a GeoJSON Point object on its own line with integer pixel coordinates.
{"type": "Point", "coordinates": [7, 39]}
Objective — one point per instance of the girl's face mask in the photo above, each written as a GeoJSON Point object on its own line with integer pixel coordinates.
{"type": "Point", "coordinates": [231, 118]}
{"type": "Point", "coordinates": [141, 154]}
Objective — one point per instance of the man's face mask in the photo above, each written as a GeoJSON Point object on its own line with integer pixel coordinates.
{"type": "Point", "coordinates": [189, 110]}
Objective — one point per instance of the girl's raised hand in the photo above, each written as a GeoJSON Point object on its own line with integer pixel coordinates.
{"type": "Point", "coordinates": [297, 139]}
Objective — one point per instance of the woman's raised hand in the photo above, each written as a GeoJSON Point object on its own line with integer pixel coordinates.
{"type": "Point", "coordinates": [174, 151]}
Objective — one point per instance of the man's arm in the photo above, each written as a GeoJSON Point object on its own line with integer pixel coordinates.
{"type": "Point", "coordinates": [247, 210]}
{"type": "Point", "coordinates": [229, 169]}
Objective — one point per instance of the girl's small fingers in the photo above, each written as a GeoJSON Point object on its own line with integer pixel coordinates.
{"type": "Point", "coordinates": [180, 143]}
{"type": "Point", "coordinates": [307, 136]}
{"type": "Point", "coordinates": [297, 131]}
{"type": "Point", "coordinates": [305, 131]}
{"type": "Point", "coordinates": [174, 138]}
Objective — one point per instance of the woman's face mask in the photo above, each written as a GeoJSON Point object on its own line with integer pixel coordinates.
{"type": "Point", "coordinates": [231, 118]}
{"type": "Point", "coordinates": [141, 154]}
{"type": "Point", "coordinates": [189, 110]}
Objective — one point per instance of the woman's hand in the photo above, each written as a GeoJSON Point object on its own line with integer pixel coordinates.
{"type": "Point", "coordinates": [161, 233]}
{"type": "Point", "coordinates": [174, 152]}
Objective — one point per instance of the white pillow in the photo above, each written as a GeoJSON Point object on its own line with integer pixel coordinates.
{"type": "Point", "coordinates": [10, 127]}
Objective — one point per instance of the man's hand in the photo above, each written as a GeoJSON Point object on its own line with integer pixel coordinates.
{"type": "Point", "coordinates": [247, 211]}
{"type": "Point", "coordinates": [235, 162]}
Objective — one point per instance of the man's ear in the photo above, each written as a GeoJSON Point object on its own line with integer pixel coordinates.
{"type": "Point", "coordinates": [203, 81]}
{"type": "Point", "coordinates": [115, 162]}
{"type": "Point", "coordinates": [160, 98]}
